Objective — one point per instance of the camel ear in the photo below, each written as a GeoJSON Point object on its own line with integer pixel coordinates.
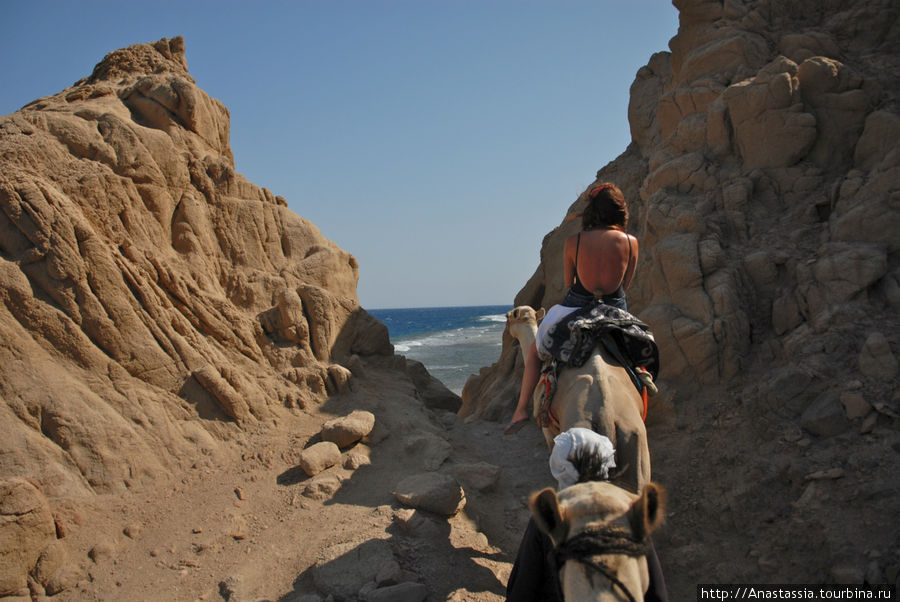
{"type": "Point", "coordinates": [539, 314]}
{"type": "Point", "coordinates": [648, 511]}
{"type": "Point", "coordinates": [548, 515]}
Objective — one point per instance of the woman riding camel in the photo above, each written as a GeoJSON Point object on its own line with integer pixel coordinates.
{"type": "Point", "coordinates": [598, 263]}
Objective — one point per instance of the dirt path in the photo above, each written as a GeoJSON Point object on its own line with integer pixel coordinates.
{"type": "Point", "coordinates": [247, 529]}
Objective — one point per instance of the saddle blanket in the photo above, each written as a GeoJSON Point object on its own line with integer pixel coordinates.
{"type": "Point", "coordinates": [572, 340]}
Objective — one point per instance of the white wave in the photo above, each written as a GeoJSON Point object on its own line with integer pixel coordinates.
{"type": "Point", "coordinates": [404, 346]}
{"type": "Point", "coordinates": [447, 338]}
{"type": "Point", "coordinates": [501, 318]}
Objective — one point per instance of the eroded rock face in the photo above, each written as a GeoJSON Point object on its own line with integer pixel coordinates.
{"type": "Point", "coordinates": [763, 182]}
{"type": "Point", "coordinates": [152, 300]}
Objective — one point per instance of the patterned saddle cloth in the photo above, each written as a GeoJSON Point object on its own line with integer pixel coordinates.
{"type": "Point", "coordinates": [572, 340]}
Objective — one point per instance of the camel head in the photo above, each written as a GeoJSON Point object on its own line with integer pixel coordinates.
{"type": "Point", "coordinates": [600, 534]}
{"type": "Point", "coordinates": [522, 323]}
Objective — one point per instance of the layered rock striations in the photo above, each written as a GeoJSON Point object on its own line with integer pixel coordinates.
{"type": "Point", "coordinates": [763, 179]}
{"type": "Point", "coordinates": [145, 284]}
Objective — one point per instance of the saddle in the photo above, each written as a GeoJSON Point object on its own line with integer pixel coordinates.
{"type": "Point", "coordinates": [572, 341]}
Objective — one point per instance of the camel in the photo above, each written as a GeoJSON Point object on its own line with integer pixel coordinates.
{"type": "Point", "coordinates": [600, 533]}
{"type": "Point", "coordinates": [522, 324]}
{"type": "Point", "coordinates": [598, 395]}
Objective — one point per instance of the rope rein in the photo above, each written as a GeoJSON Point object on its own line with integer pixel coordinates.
{"type": "Point", "coordinates": [583, 547]}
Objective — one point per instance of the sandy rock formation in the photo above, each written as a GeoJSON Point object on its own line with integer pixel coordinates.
{"type": "Point", "coordinates": [763, 179]}
{"type": "Point", "coordinates": [153, 302]}
{"type": "Point", "coordinates": [27, 537]}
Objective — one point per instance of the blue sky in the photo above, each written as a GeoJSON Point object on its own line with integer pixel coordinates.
{"type": "Point", "coordinates": [437, 141]}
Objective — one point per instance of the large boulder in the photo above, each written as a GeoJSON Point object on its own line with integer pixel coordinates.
{"type": "Point", "coordinates": [27, 534]}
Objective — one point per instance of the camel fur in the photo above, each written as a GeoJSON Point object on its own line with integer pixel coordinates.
{"type": "Point", "coordinates": [596, 505]}
{"type": "Point", "coordinates": [599, 396]}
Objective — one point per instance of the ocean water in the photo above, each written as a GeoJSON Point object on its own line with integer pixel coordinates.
{"type": "Point", "coordinates": [452, 342]}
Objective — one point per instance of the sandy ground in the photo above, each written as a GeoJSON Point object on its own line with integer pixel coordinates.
{"type": "Point", "coordinates": [244, 530]}
{"type": "Point", "coordinates": [752, 499]}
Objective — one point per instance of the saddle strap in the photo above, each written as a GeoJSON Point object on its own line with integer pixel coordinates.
{"type": "Point", "coordinates": [611, 346]}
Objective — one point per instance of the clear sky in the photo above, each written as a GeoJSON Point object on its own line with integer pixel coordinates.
{"type": "Point", "coordinates": [436, 140]}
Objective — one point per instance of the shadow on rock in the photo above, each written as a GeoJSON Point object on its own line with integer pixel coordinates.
{"type": "Point", "coordinates": [421, 549]}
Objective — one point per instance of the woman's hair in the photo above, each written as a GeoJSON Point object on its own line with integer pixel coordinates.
{"type": "Point", "coordinates": [606, 208]}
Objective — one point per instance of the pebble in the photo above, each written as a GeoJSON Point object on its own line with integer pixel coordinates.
{"type": "Point", "coordinates": [834, 473]}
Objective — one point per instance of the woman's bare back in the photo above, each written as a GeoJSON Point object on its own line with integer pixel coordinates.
{"type": "Point", "coordinates": [606, 260]}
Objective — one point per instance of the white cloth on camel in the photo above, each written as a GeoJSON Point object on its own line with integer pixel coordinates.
{"type": "Point", "coordinates": [554, 315]}
{"type": "Point", "coordinates": [568, 443]}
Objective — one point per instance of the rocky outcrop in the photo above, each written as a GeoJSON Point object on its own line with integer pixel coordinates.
{"type": "Point", "coordinates": [153, 302]}
{"type": "Point", "coordinates": [763, 180]}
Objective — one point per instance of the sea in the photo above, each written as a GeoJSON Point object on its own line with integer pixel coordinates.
{"type": "Point", "coordinates": [452, 342]}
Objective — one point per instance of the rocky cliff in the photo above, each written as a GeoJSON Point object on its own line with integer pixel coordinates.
{"type": "Point", "coordinates": [764, 184]}
{"type": "Point", "coordinates": [154, 304]}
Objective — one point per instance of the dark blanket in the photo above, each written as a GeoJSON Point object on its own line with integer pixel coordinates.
{"type": "Point", "coordinates": [573, 339]}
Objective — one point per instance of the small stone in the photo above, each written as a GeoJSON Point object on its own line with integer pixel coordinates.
{"type": "Point", "coordinates": [855, 405]}
{"type": "Point", "coordinates": [480, 476]}
{"type": "Point", "coordinates": [349, 429]}
{"type": "Point", "coordinates": [102, 551]}
{"type": "Point", "coordinates": [62, 580]}
{"type": "Point", "coordinates": [868, 423]}
{"type": "Point", "coordinates": [434, 492]}
{"type": "Point", "coordinates": [238, 528]}
{"type": "Point", "coordinates": [809, 494]}
{"type": "Point", "coordinates": [402, 592]}
{"type": "Point", "coordinates": [822, 475]}
{"type": "Point", "coordinates": [316, 458]}
{"type": "Point", "coordinates": [230, 588]}
{"type": "Point", "coordinates": [53, 558]}
{"type": "Point", "coordinates": [824, 417]}
{"type": "Point", "coordinates": [876, 358]}
{"type": "Point", "coordinates": [239, 492]}
{"type": "Point", "coordinates": [132, 531]}
{"type": "Point", "coordinates": [322, 488]}
{"type": "Point", "coordinates": [429, 449]}
{"type": "Point", "coordinates": [359, 456]}
{"type": "Point", "coordinates": [887, 410]}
